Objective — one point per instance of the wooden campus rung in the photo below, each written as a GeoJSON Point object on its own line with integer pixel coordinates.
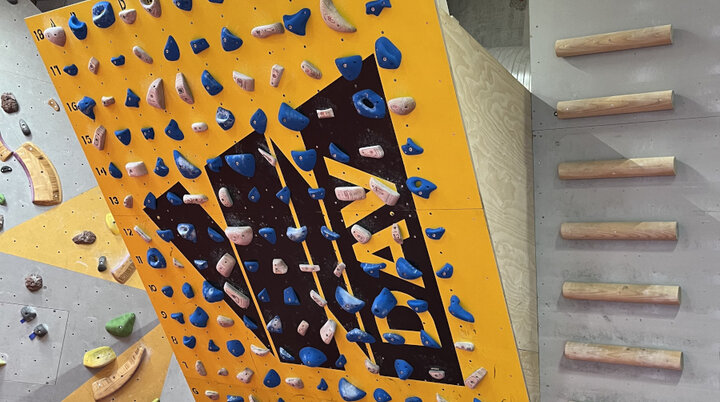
{"type": "Point", "coordinates": [619, 231]}
{"type": "Point", "coordinates": [608, 169]}
{"type": "Point", "coordinates": [617, 104]}
{"type": "Point", "coordinates": [631, 356]}
{"type": "Point", "coordinates": [621, 292]}
{"type": "Point", "coordinates": [614, 41]}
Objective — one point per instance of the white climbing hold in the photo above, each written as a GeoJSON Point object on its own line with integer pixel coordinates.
{"type": "Point", "coordinates": [223, 371]}
{"type": "Point", "coordinates": [401, 106]}
{"type": "Point", "coordinates": [128, 16]}
{"type": "Point", "coordinates": [243, 81]}
{"type": "Point", "coordinates": [468, 346]}
{"type": "Point", "coordinates": [177, 262]}
{"type": "Point", "coordinates": [142, 54]}
{"type": "Point", "coordinates": [372, 151]}
{"type": "Point", "coordinates": [136, 169]}
{"type": "Point", "coordinates": [325, 113]}
{"type": "Point", "coordinates": [310, 70]}
{"type": "Point", "coordinates": [268, 157]}
{"type": "Point", "coordinates": [236, 295]}
{"type": "Point", "coordinates": [182, 89]}
{"type": "Point", "coordinates": [276, 73]}
{"type": "Point", "coordinates": [372, 367]}
{"type": "Point", "coordinates": [309, 268]}
{"type": "Point", "coordinates": [142, 234]}
{"type": "Point", "coordinates": [339, 269]}
{"type": "Point", "coordinates": [259, 351]}
{"type": "Point", "coordinates": [56, 35]}
{"type": "Point", "coordinates": [128, 201]}
{"type": "Point", "coordinates": [439, 398]}
{"type": "Point", "coordinates": [303, 327]}
{"type": "Point", "coordinates": [245, 376]}
{"type": "Point", "coordinates": [279, 266]}
{"type": "Point", "coordinates": [212, 395]}
{"type": "Point", "coordinates": [317, 298]}
{"type": "Point", "coordinates": [295, 382]}
{"type": "Point", "coordinates": [199, 127]}
{"type": "Point", "coordinates": [240, 235]}
{"type": "Point", "coordinates": [333, 19]}
{"type": "Point", "coordinates": [263, 31]}
{"type": "Point", "coordinates": [200, 368]}
{"type": "Point", "coordinates": [152, 7]}
{"type": "Point", "coordinates": [99, 138]}
{"type": "Point", "coordinates": [224, 196]}
{"type": "Point", "coordinates": [437, 373]}
{"type": "Point", "coordinates": [396, 234]}
{"type": "Point", "coordinates": [360, 234]}
{"type": "Point", "coordinates": [93, 65]}
{"type": "Point", "coordinates": [225, 265]}
{"type": "Point", "coordinates": [224, 321]}
{"type": "Point", "coordinates": [252, 398]}
{"type": "Point", "coordinates": [196, 199]}
{"type": "Point", "coordinates": [327, 332]}
{"type": "Point", "coordinates": [156, 94]}
{"type": "Point", "coordinates": [351, 193]}
{"type": "Point", "coordinates": [474, 379]}
{"type": "Point", "coordinates": [384, 192]}
{"type": "Point", "coordinates": [107, 100]}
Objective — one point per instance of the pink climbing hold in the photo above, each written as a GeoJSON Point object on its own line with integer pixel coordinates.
{"type": "Point", "coordinates": [225, 265]}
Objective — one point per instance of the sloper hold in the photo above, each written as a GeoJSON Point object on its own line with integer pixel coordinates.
{"type": "Point", "coordinates": [264, 296]}
{"type": "Point", "coordinates": [420, 186]}
{"type": "Point", "coordinates": [172, 51]}
{"type": "Point", "coordinates": [123, 136]}
{"type": "Point", "coordinates": [297, 235]}
{"type": "Point", "coordinates": [174, 199]}
{"type": "Point", "coordinates": [328, 234]}
{"type": "Point", "coordinates": [155, 258]}
{"type": "Point", "coordinates": [406, 270]}
{"type": "Point", "coordinates": [296, 23]}
{"type": "Point", "coordinates": [254, 195]}
{"type": "Point", "coordinates": [187, 290]}
{"type": "Point", "coordinates": [279, 267]}
{"type": "Point", "coordinates": [349, 392]}
{"type": "Point", "coordinates": [251, 266]}
{"type": "Point", "coordinates": [136, 169]}
{"type": "Point", "coordinates": [187, 169]}
{"type": "Point", "coordinates": [199, 318]}
{"type": "Point", "coordinates": [418, 306]}
{"type": "Point", "coordinates": [375, 7]}
{"type": "Point", "coordinates": [211, 85]}
{"type": "Point", "coordinates": [291, 118]}
{"type": "Point", "coordinates": [141, 54]}
{"type": "Point", "coordinates": [236, 295]}
{"type": "Point", "coordinates": [349, 67]}
{"type": "Point", "coordinates": [446, 271]}
{"type": "Point", "coordinates": [187, 232]}
{"type": "Point", "coordinates": [235, 347]}
{"type": "Point", "coordinates": [150, 201]}
{"type": "Point", "coordinates": [245, 376]}
{"type": "Point", "coordinates": [199, 127]}
{"type": "Point", "coordinates": [427, 340]}
{"type": "Point", "coordinates": [275, 325]}
{"type": "Point", "coordinates": [435, 233]}
{"type": "Point", "coordinates": [128, 16]}
{"type": "Point", "coordinates": [216, 237]}
{"type": "Point", "coordinates": [122, 325]}
{"type": "Point", "coordinates": [411, 148]}
{"type": "Point", "coordinates": [200, 368]}
{"type": "Point", "coordinates": [185, 5]}
{"type": "Point", "coordinates": [290, 298]}
{"type": "Point", "coordinates": [107, 100]}
{"type": "Point", "coordinates": [263, 31]}
{"type": "Point", "coordinates": [245, 82]}
{"type": "Point", "coordinates": [358, 335]}
{"type": "Point", "coordinates": [272, 379]}
{"type": "Point", "coordinates": [189, 341]}
{"type": "Point", "coordinates": [260, 351]}
{"type": "Point", "coordinates": [388, 56]}
{"type": "Point", "coordinates": [337, 154]}
{"type": "Point", "coordinates": [305, 160]}
{"type": "Point", "coordinates": [152, 7]}
{"type": "Point", "coordinates": [258, 121]}
{"type": "Point", "coordinates": [211, 293]}
{"type": "Point", "coordinates": [381, 395]}
{"type": "Point", "coordinates": [78, 28]}
{"type": "Point", "coordinates": [333, 19]}
{"type": "Point", "coordinates": [372, 269]}
{"type": "Point", "coordinates": [160, 168]}
{"type": "Point", "coordinates": [316, 193]}
{"type": "Point", "coordinates": [200, 264]}
{"type": "Point", "coordinates": [118, 60]}
{"type": "Point", "coordinates": [183, 89]}
{"type": "Point", "coordinates": [327, 332]}
{"type": "Point", "coordinates": [224, 118]}
{"type": "Point", "coordinates": [56, 35]}
{"type": "Point", "coordinates": [224, 197]}
{"type": "Point", "coordinates": [369, 104]}
{"type": "Point", "coordinates": [214, 164]}
{"type": "Point", "coordinates": [148, 133]}
{"type": "Point", "coordinates": [323, 385]}
{"type": "Point", "coordinates": [229, 41]}
{"type": "Point", "coordinates": [103, 15]}
{"type": "Point", "coordinates": [403, 369]}
{"type": "Point", "coordinates": [240, 235]}
{"type": "Point", "coordinates": [131, 99]}
{"type": "Point", "coordinates": [285, 355]}
{"type": "Point", "coordinates": [114, 171]}
{"type": "Point", "coordinates": [268, 234]}
{"type": "Point", "coordinates": [166, 234]}
{"type": "Point", "coordinates": [402, 106]}
{"type": "Point", "coordinates": [242, 163]}
{"type": "Point", "coordinates": [283, 195]}
{"type": "Point", "coordinates": [393, 338]}
{"type": "Point", "coordinates": [457, 311]}
{"type": "Point", "coordinates": [156, 94]}
{"type": "Point", "coordinates": [198, 45]}
{"type": "Point", "coordinates": [348, 302]}
{"type": "Point", "coordinates": [86, 106]}
{"type": "Point", "coordinates": [383, 303]}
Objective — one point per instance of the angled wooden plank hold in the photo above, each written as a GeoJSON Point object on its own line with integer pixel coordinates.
{"type": "Point", "coordinates": [630, 356]}
{"type": "Point", "coordinates": [619, 230]}
{"type": "Point", "coordinates": [617, 104]}
{"type": "Point", "coordinates": [622, 292]}
{"type": "Point", "coordinates": [106, 386]}
{"type": "Point", "coordinates": [5, 152]}
{"type": "Point", "coordinates": [608, 169]}
{"type": "Point", "coordinates": [614, 41]}
{"type": "Point", "coordinates": [44, 179]}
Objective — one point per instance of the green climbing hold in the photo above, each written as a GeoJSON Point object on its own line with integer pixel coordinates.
{"type": "Point", "coordinates": [2, 199]}
{"type": "Point", "coordinates": [121, 325]}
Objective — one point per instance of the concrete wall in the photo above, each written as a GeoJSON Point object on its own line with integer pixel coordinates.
{"type": "Point", "coordinates": [690, 132]}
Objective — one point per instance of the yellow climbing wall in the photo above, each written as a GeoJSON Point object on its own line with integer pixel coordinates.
{"type": "Point", "coordinates": [435, 125]}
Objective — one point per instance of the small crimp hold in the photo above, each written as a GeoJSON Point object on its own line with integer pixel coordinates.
{"type": "Point", "coordinates": [328, 113]}
{"type": "Point", "coordinates": [383, 304]}
{"type": "Point", "coordinates": [295, 382]}
{"type": "Point", "coordinates": [328, 234]}
{"type": "Point", "coordinates": [56, 35]}
{"type": "Point", "coordinates": [427, 340]}
{"type": "Point", "coordinates": [225, 265]}
{"type": "Point", "coordinates": [211, 85]}
{"type": "Point", "coordinates": [402, 106]}
{"type": "Point", "coordinates": [360, 234]}
{"type": "Point", "coordinates": [436, 373]}
{"type": "Point", "coordinates": [333, 19]}
{"type": "Point", "coordinates": [418, 306]}
{"type": "Point", "coordinates": [225, 198]}
{"type": "Point", "coordinates": [296, 23]}
{"type": "Point", "coordinates": [393, 339]}
{"type": "Point", "coordinates": [123, 136]}
{"type": "Point", "coordinates": [268, 234]}
{"type": "Point", "coordinates": [245, 376]}
{"type": "Point", "coordinates": [316, 193]}
{"type": "Point", "coordinates": [381, 395]}
{"type": "Point", "coordinates": [319, 300]}
{"type": "Point", "coordinates": [303, 327]}
{"type": "Point", "coordinates": [352, 193]}
{"type": "Point", "coordinates": [187, 169]}
{"type": "Point", "coordinates": [107, 100]}
{"type": "Point", "coordinates": [211, 293]}
{"type": "Point", "coordinates": [212, 346]}
{"type": "Point", "coordinates": [224, 372]}
{"type": "Point", "coordinates": [79, 28]}
{"type": "Point", "coordinates": [86, 106]}
{"type": "Point", "coordinates": [372, 151]}
{"type": "Point", "coordinates": [187, 232]}
{"type": "Point", "coordinates": [279, 267]}
{"type": "Point", "coordinates": [152, 7]}
{"type": "Point", "coordinates": [297, 235]}
{"type": "Point", "coordinates": [369, 104]}
{"type": "Point", "coordinates": [411, 148]}
{"type": "Point", "coordinates": [349, 392]}
{"type": "Point", "coordinates": [358, 335]}
{"type": "Point", "coordinates": [420, 186]}
{"type": "Point", "coordinates": [349, 67]}
{"type": "Point", "coordinates": [242, 163]}
{"type": "Point", "coordinates": [243, 81]}
{"type": "Point", "coordinates": [166, 234]}
{"type": "Point", "coordinates": [457, 311]}
{"type": "Point", "coordinates": [254, 195]}
{"type": "Point", "coordinates": [128, 16]}
{"type": "Point", "coordinates": [229, 40]}
{"type": "Point", "coordinates": [155, 258]}
{"type": "Point", "coordinates": [466, 346]}
{"type": "Point", "coordinates": [435, 233]}
{"type": "Point", "coordinates": [396, 234]}
{"type": "Point", "coordinates": [224, 118]}
{"type": "Point", "coordinates": [183, 89]}
{"type": "Point", "coordinates": [327, 331]}
{"type": "Point", "coordinates": [268, 157]}
{"type": "Point", "coordinates": [348, 302]}
{"type": "Point", "coordinates": [323, 385]}
{"type": "Point", "coordinates": [118, 60]}
{"type": "Point", "coordinates": [406, 270]}
{"type": "Point", "coordinates": [388, 56]}
{"type": "Point", "coordinates": [99, 138]}
{"type": "Point", "coordinates": [275, 325]}
{"type": "Point", "coordinates": [200, 368]}
{"type": "Point", "coordinates": [311, 70]}
{"type": "Point", "coordinates": [372, 269]}
{"type": "Point", "coordinates": [198, 45]}
{"type": "Point", "coordinates": [150, 201]}
{"type": "Point", "coordinates": [128, 201]}
{"type": "Point", "coordinates": [309, 267]}
{"type": "Point", "coordinates": [259, 351]}
{"type": "Point", "coordinates": [131, 99]}
{"type": "Point", "coordinates": [240, 235]}
{"type": "Point", "coordinates": [141, 54]}
{"type": "Point", "coordinates": [148, 133]}
{"type": "Point", "coordinates": [215, 235]}
{"type": "Point", "coordinates": [156, 94]}
{"type": "Point", "coordinates": [384, 192]}
{"type": "Point", "coordinates": [403, 369]}
{"type": "Point", "coordinates": [290, 298]}
{"type": "Point", "coordinates": [263, 31]}
{"type": "Point", "coordinates": [340, 362]}
{"type": "Point", "coordinates": [445, 272]}
{"type": "Point", "coordinates": [136, 169]}
{"type": "Point", "coordinates": [339, 269]}
{"type": "Point", "coordinates": [264, 296]}
{"type": "Point", "coordinates": [276, 73]}
{"type": "Point", "coordinates": [305, 160]}
{"type": "Point", "coordinates": [375, 7]}
{"type": "Point", "coordinates": [474, 379]}
{"type": "Point", "coordinates": [103, 16]}
{"type": "Point", "coordinates": [171, 51]}
{"type": "Point", "coordinates": [199, 127]}
{"type": "Point", "coordinates": [71, 70]}
{"type": "Point", "coordinates": [283, 195]}
{"type": "Point", "coordinates": [173, 198]}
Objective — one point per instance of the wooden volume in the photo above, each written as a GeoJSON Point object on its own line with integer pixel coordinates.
{"type": "Point", "coordinates": [618, 104]}
{"type": "Point", "coordinates": [620, 292]}
{"type": "Point", "coordinates": [607, 169]}
{"type": "Point", "coordinates": [44, 179]}
{"type": "Point", "coordinates": [106, 386]}
{"type": "Point", "coordinates": [619, 230]}
{"type": "Point", "coordinates": [124, 270]}
{"type": "Point", "coordinates": [631, 356]}
{"type": "Point", "coordinates": [614, 41]}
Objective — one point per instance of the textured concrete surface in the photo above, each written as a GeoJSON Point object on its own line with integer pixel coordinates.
{"type": "Point", "coordinates": [493, 23]}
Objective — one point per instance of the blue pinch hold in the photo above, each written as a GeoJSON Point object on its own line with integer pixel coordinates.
{"type": "Point", "coordinates": [254, 195]}
{"type": "Point", "coordinates": [393, 338]}
{"type": "Point", "coordinates": [349, 392]}
{"type": "Point", "coordinates": [178, 317]}
{"type": "Point", "coordinates": [285, 355]}
{"type": "Point", "coordinates": [123, 136]}
{"type": "Point", "coordinates": [71, 70]}
{"type": "Point", "coordinates": [174, 199]}
{"type": "Point", "coordinates": [312, 357]}
{"type": "Point", "coordinates": [249, 324]}
{"type": "Point", "coordinates": [372, 269]}
{"type": "Point", "coordinates": [172, 51]}
{"type": "Point", "coordinates": [420, 186]}
{"type": "Point", "coordinates": [224, 118]}
{"type": "Point", "coordinates": [435, 233]}
{"type": "Point", "coordinates": [148, 133]}
{"type": "Point", "coordinates": [167, 291]}
{"type": "Point", "coordinates": [131, 99]}
{"type": "Point", "coordinates": [387, 54]}
{"type": "Point", "coordinates": [199, 318]}
{"type": "Point", "coordinates": [383, 304]}
{"type": "Point", "coordinates": [291, 118]}
{"type": "Point", "coordinates": [403, 369]}
{"type": "Point", "coordinates": [457, 311]}
{"type": "Point", "coordinates": [189, 341]}
{"type": "Point", "coordinates": [200, 264]}
{"type": "Point", "coordinates": [185, 5]}
{"type": "Point", "coordinates": [427, 340]}
{"type": "Point", "coordinates": [283, 195]}
{"type": "Point", "coordinates": [381, 395]}
{"type": "Point", "coordinates": [290, 298]}
{"type": "Point", "coordinates": [268, 234]}
{"type": "Point", "coordinates": [348, 302]}
{"type": "Point", "coordinates": [369, 104]}
{"type": "Point", "coordinates": [215, 164]}
{"type": "Point", "coordinates": [418, 306]}
{"type": "Point", "coordinates": [198, 45]}
{"type": "Point", "coordinates": [258, 121]}
{"type": "Point", "coordinates": [187, 232]}
{"type": "Point", "coordinates": [187, 169]}
{"type": "Point", "coordinates": [235, 347]}
{"type": "Point", "coordinates": [446, 271]}
{"type": "Point", "coordinates": [242, 163]}
{"type": "Point", "coordinates": [155, 258]}
{"type": "Point", "coordinates": [215, 235]}
{"type": "Point", "coordinates": [305, 160]}
{"type": "Point", "coordinates": [411, 148]}
{"type": "Point", "coordinates": [375, 7]}
{"type": "Point", "coordinates": [78, 28]}
{"type": "Point", "coordinates": [212, 346]}
{"type": "Point", "coordinates": [230, 398]}
{"type": "Point", "coordinates": [296, 23]}
{"type": "Point", "coordinates": [251, 266]}
{"type": "Point", "coordinates": [297, 235]}
{"type": "Point", "coordinates": [328, 234]}
{"type": "Point", "coordinates": [150, 201]}
{"type": "Point", "coordinates": [349, 67]}
{"type": "Point", "coordinates": [406, 270]}
{"type": "Point", "coordinates": [337, 154]}
{"type": "Point", "coordinates": [272, 379]}
{"type": "Point", "coordinates": [86, 106]}
{"type": "Point", "coordinates": [210, 83]}
{"type": "Point", "coordinates": [358, 335]}
{"type": "Point", "coordinates": [118, 60]}
{"type": "Point", "coordinates": [173, 131]}
{"type": "Point", "coordinates": [275, 325]}
{"type": "Point", "coordinates": [161, 168]}
{"type": "Point", "coordinates": [188, 290]}
{"type": "Point", "coordinates": [229, 40]}
{"type": "Point", "coordinates": [211, 293]}
{"type": "Point", "coordinates": [103, 16]}
{"type": "Point", "coordinates": [341, 361]}
{"type": "Point", "coordinates": [166, 234]}
{"type": "Point", "coordinates": [264, 296]}
{"type": "Point", "coordinates": [114, 171]}
{"type": "Point", "coordinates": [316, 193]}
{"type": "Point", "coordinates": [323, 386]}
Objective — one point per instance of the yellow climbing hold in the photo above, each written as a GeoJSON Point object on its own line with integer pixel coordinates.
{"type": "Point", "coordinates": [110, 222]}
{"type": "Point", "coordinates": [99, 357]}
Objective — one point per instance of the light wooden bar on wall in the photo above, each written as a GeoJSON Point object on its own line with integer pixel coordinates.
{"type": "Point", "coordinates": [620, 292]}
{"type": "Point", "coordinates": [619, 230]}
{"type": "Point", "coordinates": [607, 169]}
{"type": "Point", "coordinates": [614, 41]}
{"type": "Point", "coordinates": [631, 356]}
{"type": "Point", "coordinates": [618, 104]}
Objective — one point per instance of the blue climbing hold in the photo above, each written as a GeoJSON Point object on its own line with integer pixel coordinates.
{"type": "Point", "coordinates": [188, 290]}
{"type": "Point", "coordinates": [349, 392]}
{"type": "Point", "coordinates": [198, 45]}
{"type": "Point", "coordinates": [187, 169]}
{"type": "Point", "coordinates": [251, 266]}
{"type": "Point", "coordinates": [258, 121]}
{"type": "Point", "coordinates": [118, 60]}
{"type": "Point", "coordinates": [167, 291]}
{"type": "Point", "coordinates": [381, 395]}
{"type": "Point", "coordinates": [411, 148]}
{"type": "Point", "coordinates": [229, 41]}
{"type": "Point", "coordinates": [427, 340]}
{"type": "Point", "coordinates": [375, 7]}
{"type": "Point", "coordinates": [296, 23]}
{"type": "Point", "coordinates": [358, 335]}
{"type": "Point", "coordinates": [290, 298]}
{"type": "Point", "coordinates": [297, 235]}
{"type": "Point", "coordinates": [230, 398]}
{"type": "Point", "coordinates": [254, 195]}
{"type": "Point", "coordinates": [406, 270]}
{"type": "Point", "coordinates": [215, 164]}
{"type": "Point", "coordinates": [215, 235]}
{"type": "Point", "coordinates": [178, 317]}
{"type": "Point", "coordinates": [305, 160]}
{"type": "Point", "coordinates": [420, 186]}
{"type": "Point", "coordinates": [348, 302]}
{"type": "Point", "coordinates": [268, 234]}
{"type": "Point", "coordinates": [403, 369]}
{"type": "Point", "coordinates": [187, 232]}
{"type": "Point", "coordinates": [383, 303]}
{"type": "Point", "coordinates": [210, 83]}
{"type": "Point", "coordinates": [349, 67]}
{"type": "Point", "coordinates": [242, 163]}
{"type": "Point", "coordinates": [166, 234]}
{"type": "Point", "coordinates": [212, 346]}
{"type": "Point", "coordinates": [457, 311]}
{"type": "Point", "coordinates": [150, 201]}
{"type": "Point", "coordinates": [235, 347]}
{"type": "Point", "coordinates": [285, 355]}
{"type": "Point", "coordinates": [387, 54]}
{"type": "Point", "coordinates": [337, 154]}
{"type": "Point", "coordinates": [445, 272]}
{"type": "Point", "coordinates": [435, 233]}
{"type": "Point", "coordinates": [369, 104]}
{"type": "Point", "coordinates": [131, 99]}
{"type": "Point", "coordinates": [189, 341]}
{"type": "Point", "coordinates": [161, 168]}
{"type": "Point", "coordinates": [413, 399]}
{"type": "Point", "coordinates": [78, 28]}
{"type": "Point", "coordinates": [200, 264]}
{"type": "Point", "coordinates": [86, 105]}
{"type": "Point", "coordinates": [312, 357]}
{"type": "Point", "coordinates": [199, 318]}
{"type": "Point", "coordinates": [123, 136]}
{"type": "Point", "coordinates": [211, 293]}
{"type": "Point", "coordinates": [155, 258]}
{"type": "Point", "coordinates": [224, 118]}
{"type": "Point", "coordinates": [264, 296]}
{"type": "Point", "coordinates": [185, 5]}
{"type": "Point", "coordinates": [283, 195]}
{"type": "Point", "coordinates": [316, 193]}
{"type": "Point", "coordinates": [272, 379]}
{"type": "Point", "coordinates": [340, 362]}
{"type": "Point", "coordinates": [114, 171]}
{"type": "Point", "coordinates": [418, 306]}
{"type": "Point", "coordinates": [291, 118]}
{"type": "Point", "coordinates": [323, 386]}
{"type": "Point", "coordinates": [393, 338]}
{"type": "Point", "coordinates": [148, 133]}
{"type": "Point", "coordinates": [249, 324]}
{"type": "Point", "coordinates": [172, 51]}
{"type": "Point", "coordinates": [275, 325]}
{"type": "Point", "coordinates": [174, 199]}
{"type": "Point", "coordinates": [328, 234]}
{"type": "Point", "coordinates": [71, 70]}
{"type": "Point", "coordinates": [103, 16]}
{"type": "Point", "coordinates": [372, 269]}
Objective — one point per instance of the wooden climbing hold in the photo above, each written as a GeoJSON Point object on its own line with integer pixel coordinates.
{"type": "Point", "coordinates": [619, 292]}
{"type": "Point", "coordinates": [331, 16]}
{"type": "Point", "coordinates": [106, 386]}
{"type": "Point", "coordinates": [225, 265]}
{"type": "Point", "coordinates": [224, 321]}
{"type": "Point", "coordinates": [276, 73]}
{"type": "Point", "coordinates": [156, 95]}
{"type": "Point", "coordinates": [631, 356]}
{"type": "Point", "coordinates": [5, 152]}
{"type": "Point", "coordinates": [613, 105]}
{"type": "Point", "coordinates": [325, 113]}
{"type": "Point", "coordinates": [619, 231]}
{"type": "Point", "coordinates": [99, 357]}
{"type": "Point", "coordinates": [310, 70]}
{"type": "Point", "coordinates": [44, 179]}
{"type": "Point", "coordinates": [263, 31]}
{"type": "Point", "coordinates": [614, 41]}
{"type": "Point", "coordinates": [53, 104]}
{"type": "Point", "coordinates": [124, 269]}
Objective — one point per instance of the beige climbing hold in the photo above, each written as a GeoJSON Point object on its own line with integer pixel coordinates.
{"type": "Point", "coordinates": [474, 379]}
{"type": "Point", "coordinates": [183, 89]}
{"type": "Point", "coordinates": [124, 270]}
{"type": "Point", "coordinates": [253, 398]}
{"type": "Point", "coordinates": [401, 106]}
{"type": "Point", "coordinates": [212, 395]}
{"type": "Point", "coordinates": [224, 196]}
{"type": "Point", "coordinates": [437, 373]}
{"type": "Point", "coordinates": [303, 327]}
{"type": "Point", "coordinates": [200, 368]}
{"type": "Point", "coordinates": [99, 138]}
{"type": "Point", "coordinates": [384, 192]}
{"type": "Point", "coordinates": [268, 157]}
{"type": "Point", "coordinates": [110, 223]}
{"type": "Point", "coordinates": [396, 234]}
{"type": "Point", "coordinates": [310, 70]}
{"type": "Point", "coordinates": [439, 398]}
{"type": "Point", "coordinates": [128, 201]}
{"type": "Point", "coordinates": [351, 193]}
{"type": "Point", "coordinates": [263, 31]}
{"type": "Point", "coordinates": [136, 169]}
{"type": "Point", "coordinates": [2, 362]}
{"type": "Point", "coordinates": [333, 19]}
{"type": "Point", "coordinates": [243, 81]}
{"type": "Point", "coordinates": [224, 321]}
{"type": "Point", "coordinates": [372, 151]}
{"type": "Point", "coordinates": [360, 234]}
{"type": "Point", "coordinates": [107, 100]}
{"type": "Point", "coordinates": [128, 16]}
{"type": "Point", "coordinates": [223, 372]}
{"type": "Point", "coordinates": [259, 351]}
{"type": "Point", "coordinates": [245, 376]}
{"type": "Point", "coordinates": [339, 269]}
{"type": "Point", "coordinates": [142, 234]}
{"type": "Point", "coordinates": [142, 54]}
{"type": "Point", "coordinates": [225, 265]}
{"type": "Point", "coordinates": [309, 268]}
{"type": "Point", "coordinates": [372, 367]}
{"type": "Point", "coordinates": [94, 65]}
{"type": "Point", "coordinates": [156, 94]}
{"type": "Point", "coordinates": [327, 332]}
{"type": "Point", "coordinates": [279, 266]}
{"type": "Point", "coordinates": [56, 35]}
{"type": "Point", "coordinates": [199, 127]}
{"type": "Point", "coordinates": [195, 199]}
{"type": "Point", "coordinates": [106, 386]}
{"type": "Point", "coordinates": [467, 346]}
{"type": "Point", "coordinates": [276, 73]}
{"type": "Point", "coordinates": [177, 263]}
{"type": "Point", "coordinates": [152, 7]}
{"type": "Point", "coordinates": [99, 357]}
{"type": "Point", "coordinates": [53, 104]}
{"type": "Point", "coordinates": [236, 295]}
{"type": "Point", "coordinates": [295, 382]}
{"type": "Point", "coordinates": [317, 298]}
{"type": "Point", "coordinates": [325, 113]}
{"type": "Point", "coordinates": [240, 235]}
